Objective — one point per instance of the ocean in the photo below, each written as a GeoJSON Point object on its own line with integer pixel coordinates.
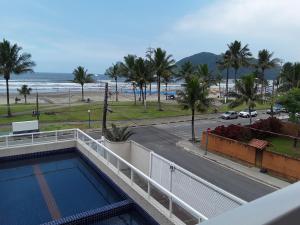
{"type": "Point", "coordinates": [53, 82]}
{"type": "Point", "coordinates": [62, 82]}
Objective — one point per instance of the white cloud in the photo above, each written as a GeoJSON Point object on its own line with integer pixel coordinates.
{"type": "Point", "coordinates": [271, 24]}
{"type": "Point", "coordinates": [250, 17]}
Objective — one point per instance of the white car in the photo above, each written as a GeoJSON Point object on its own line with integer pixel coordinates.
{"type": "Point", "coordinates": [245, 113]}
{"type": "Point", "coordinates": [229, 115]}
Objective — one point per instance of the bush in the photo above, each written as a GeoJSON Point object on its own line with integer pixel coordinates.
{"type": "Point", "coordinates": [271, 124]}
{"type": "Point", "coordinates": [235, 132]}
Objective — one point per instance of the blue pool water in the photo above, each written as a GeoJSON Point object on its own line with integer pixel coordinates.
{"type": "Point", "coordinates": [35, 191]}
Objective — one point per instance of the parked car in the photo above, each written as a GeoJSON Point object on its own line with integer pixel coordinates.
{"type": "Point", "coordinates": [276, 110]}
{"type": "Point", "coordinates": [245, 113]}
{"type": "Point", "coordinates": [230, 115]}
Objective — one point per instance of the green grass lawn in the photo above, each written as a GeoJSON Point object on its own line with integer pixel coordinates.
{"type": "Point", "coordinates": [120, 111]}
{"type": "Point", "coordinates": [224, 108]}
{"type": "Point", "coordinates": [284, 145]}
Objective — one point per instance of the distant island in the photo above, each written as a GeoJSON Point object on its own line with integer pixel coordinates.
{"type": "Point", "coordinates": [210, 59]}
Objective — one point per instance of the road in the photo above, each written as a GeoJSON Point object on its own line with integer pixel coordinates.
{"type": "Point", "coordinates": [162, 139]}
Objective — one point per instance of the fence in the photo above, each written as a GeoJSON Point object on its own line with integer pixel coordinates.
{"type": "Point", "coordinates": [198, 193]}
{"type": "Point", "coordinates": [152, 190]}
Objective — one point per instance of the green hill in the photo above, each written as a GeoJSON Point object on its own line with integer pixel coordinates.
{"type": "Point", "coordinates": [210, 59]}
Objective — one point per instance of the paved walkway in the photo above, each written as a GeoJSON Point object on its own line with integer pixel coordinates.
{"type": "Point", "coordinates": [250, 172]}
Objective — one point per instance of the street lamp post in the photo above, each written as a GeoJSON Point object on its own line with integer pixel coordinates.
{"type": "Point", "coordinates": [89, 112]}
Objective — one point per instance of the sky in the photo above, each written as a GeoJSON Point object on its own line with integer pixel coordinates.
{"type": "Point", "coordinates": [63, 34]}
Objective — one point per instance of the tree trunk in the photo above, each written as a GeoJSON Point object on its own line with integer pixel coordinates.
{"type": "Point", "coordinates": [134, 94]}
{"type": "Point", "coordinates": [166, 91]}
{"type": "Point", "coordinates": [262, 83]}
{"type": "Point", "coordinates": [82, 94]}
{"type": "Point", "coordinates": [7, 99]}
{"type": "Point", "coordinates": [145, 91]}
{"type": "Point", "coordinates": [235, 75]}
{"type": "Point", "coordinates": [220, 89]}
{"type": "Point", "coordinates": [150, 89]}
{"type": "Point", "coordinates": [116, 79]}
{"type": "Point", "coordinates": [193, 125]}
{"type": "Point", "coordinates": [227, 78]}
{"type": "Point", "coordinates": [25, 97]}
{"type": "Point", "coordinates": [140, 97]}
{"type": "Point", "coordinates": [142, 93]}
{"type": "Point", "coordinates": [250, 116]}
{"type": "Point", "coordinates": [158, 93]}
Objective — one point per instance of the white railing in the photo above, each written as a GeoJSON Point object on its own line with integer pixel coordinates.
{"type": "Point", "coordinates": [120, 164]}
{"type": "Point", "coordinates": [153, 190]}
{"type": "Point", "coordinates": [37, 138]}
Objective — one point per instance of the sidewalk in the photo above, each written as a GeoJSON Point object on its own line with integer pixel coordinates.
{"type": "Point", "coordinates": [250, 172]}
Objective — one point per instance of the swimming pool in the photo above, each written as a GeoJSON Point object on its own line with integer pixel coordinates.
{"type": "Point", "coordinates": [46, 188]}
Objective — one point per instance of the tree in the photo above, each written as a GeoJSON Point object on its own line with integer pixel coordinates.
{"type": "Point", "coordinates": [265, 62]}
{"type": "Point", "coordinates": [186, 70]}
{"type": "Point", "coordinates": [161, 62]}
{"type": "Point", "coordinates": [127, 69]}
{"type": "Point", "coordinates": [239, 56]}
{"type": "Point", "coordinates": [24, 90]}
{"type": "Point", "coordinates": [291, 101]}
{"type": "Point", "coordinates": [13, 61]}
{"type": "Point", "coordinates": [246, 93]}
{"type": "Point", "coordinates": [289, 76]}
{"type": "Point", "coordinates": [114, 72]}
{"type": "Point", "coordinates": [81, 76]}
{"type": "Point", "coordinates": [194, 97]}
{"type": "Point", "coordinates": [218, 80]}
{"type": "Point", "coordinates": [118, 134]}
{"type": "Point", "coordinates": [225, 63]}
{"type": "Point", "coordinates": [205, 76]}
{"type": "Point", "coordinates": [167, 78]}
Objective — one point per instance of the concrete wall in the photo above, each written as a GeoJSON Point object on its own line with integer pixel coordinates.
{"type": "Point", "coordinates": [282, 165]}
{"type": "Point", "coordinates": [140, 157]}
{"type": "Point", "coordinates": [20, 150]}
{"type": "Point", "coordinates": [132, 152]}
{"type": "Point", "coordinates": [229, 147]}
{"type": "Point", "coordinates": [122, 149]}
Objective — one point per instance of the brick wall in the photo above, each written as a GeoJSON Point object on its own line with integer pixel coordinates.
{"type": "Point", "coordinates": [282, 165]}
{"type": "Point", "coordinates": [229, 147]}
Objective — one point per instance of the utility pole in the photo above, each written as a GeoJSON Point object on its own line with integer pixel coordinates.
{"type": "Point", "coordinates": [37, 106]}
{"type": "Point", "coordinates": [104, 109]}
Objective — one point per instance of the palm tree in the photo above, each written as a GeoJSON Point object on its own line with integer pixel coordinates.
{"type": "Point", "coordinates": [114, 72]}
{"type": "Point", "coordinates": [218, 79]}
{"type": "Point", "coordinates": [246, 93]}
{"type": "Point", "coordinates": [13, 61]}
{"type": "Point", "coordinates": [225, 63]}
{"type": "Point", "coordinates": [127, 69]}
{"type": "Point", "coordinates": [194, 97]}
{"type": "Point", "coordinates": [205, 76]}
{"type": "Point", "coordinates": [240, 56]}
{"type": "Point", "coordinates": [161, 63]}
{"type": "Point", "coordinates": [290, 76]}
{"type": "Point", "coordinates": [141, 72]}
{"type": "Point", "coordinates": [118, 134]}
{"type": "Point", "coordinates": [24, 91]}
{"type": "Point", "coordinates": [265, 62]}
{"type": "Point", "coordinates": [186, 70]}
{"type": "Point", "coordinates": [81, 76]}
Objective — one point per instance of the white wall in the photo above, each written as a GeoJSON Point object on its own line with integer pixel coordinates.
{"type": "Point", "coordinates": [132, 152]}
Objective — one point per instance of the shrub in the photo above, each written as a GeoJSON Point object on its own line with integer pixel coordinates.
{"type": "Point", "coordinates": [271, 124]}
{"type": "Point", "coordinates": [235, 132]}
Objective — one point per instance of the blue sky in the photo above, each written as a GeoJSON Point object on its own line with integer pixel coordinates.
{"type": "Point", "coordinates": [62, 34]}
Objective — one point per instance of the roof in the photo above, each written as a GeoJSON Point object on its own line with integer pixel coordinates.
{"type": "Point", "coordinates": [257, 143]}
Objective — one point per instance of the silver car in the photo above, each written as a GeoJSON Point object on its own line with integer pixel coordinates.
{"type": "Point", "coordinates": [230, 115]}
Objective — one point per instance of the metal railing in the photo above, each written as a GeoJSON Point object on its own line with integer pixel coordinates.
{"type": "Point", "coordinates": [37, 138]}
{"type": "Point", "coordinates": [152, 190]}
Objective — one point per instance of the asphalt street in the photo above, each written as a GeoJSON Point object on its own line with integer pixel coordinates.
{"type": "Point", "coordinates": [162, 139]}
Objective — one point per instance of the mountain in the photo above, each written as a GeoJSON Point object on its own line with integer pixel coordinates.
{"type": "Point", "coordinates": [210, 59]}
